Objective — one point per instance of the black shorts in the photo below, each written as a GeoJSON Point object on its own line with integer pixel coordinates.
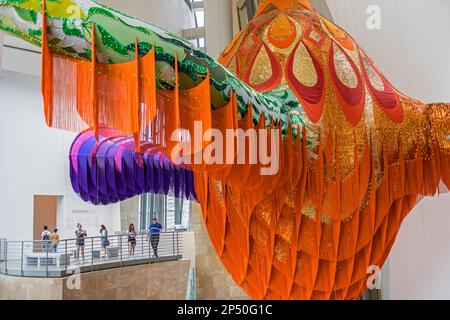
{"type": "Point", "coordinates": [132, 242]}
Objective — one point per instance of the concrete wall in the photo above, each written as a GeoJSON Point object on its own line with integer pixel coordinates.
{"type": "Point", "coordinates": [14, 288]}
{"type": "Point", "coordinates": [159, 281]}
{"type": "Point", "coordinates": [412, 49]}
{"type": "Point", "coordinates": [213, 281]}
{"type": "Point", "coordinates": [188, 252]}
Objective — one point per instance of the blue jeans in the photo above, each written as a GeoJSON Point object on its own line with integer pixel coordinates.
{"type": "Point", "coordinates": [45, 245]}
{"type": "Point", "coordinates": [55, 248]}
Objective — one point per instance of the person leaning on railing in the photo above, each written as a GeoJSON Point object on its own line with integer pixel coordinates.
{"type": "Point", "coordinates": [154, 231]}
{"type": "Point", "coordinates": [54, 240]}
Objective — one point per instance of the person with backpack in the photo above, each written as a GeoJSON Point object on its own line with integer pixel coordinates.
{"type": "Point", "coordinates": [45, 239]}
{"type": "Point", "coordinates": [104, 241]}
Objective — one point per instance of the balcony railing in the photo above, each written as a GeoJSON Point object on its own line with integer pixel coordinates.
{"type": "Point", "coordinates": [39, 259]}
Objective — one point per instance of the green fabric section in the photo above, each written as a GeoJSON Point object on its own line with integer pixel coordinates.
{"type": "Point", "coordinates": [26, 15]}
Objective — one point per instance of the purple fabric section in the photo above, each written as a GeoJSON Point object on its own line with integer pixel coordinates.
{"type": "Point", "coordinates": [110, 170]}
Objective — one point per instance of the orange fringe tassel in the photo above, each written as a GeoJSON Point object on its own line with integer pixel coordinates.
{"type": "Point", "coordinates": [47, 70]}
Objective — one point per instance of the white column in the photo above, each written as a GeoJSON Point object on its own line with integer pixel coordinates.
{"type": "Point", "coordinates": [218, 25]}
{"type": "Point", "coordinates": [322, 7]}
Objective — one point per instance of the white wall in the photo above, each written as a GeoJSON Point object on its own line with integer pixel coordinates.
{"type": "Point", "coordinates": [2, 40]}
{"type": "Point", "coordinates": [322, 7]}
{"type": "Point", "coordinates": [34, 161]}
{"type": "Point", "coordinates": [413, 50]}
{"type": "Point", "coordinates": [26, 61]}
{"type": "Point", "coordinates": [171, 15]}
{"type": "Point", "coordinates": [218, 25]}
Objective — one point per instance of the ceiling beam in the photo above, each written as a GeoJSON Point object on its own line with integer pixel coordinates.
{"type": "Point", "coordinates": [196, 5]}
{"type": "Point", "coordinates": [193, 33]}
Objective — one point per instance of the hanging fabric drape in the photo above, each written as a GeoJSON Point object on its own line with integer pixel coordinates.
{"type": "Point", "coordinates": [108, 169]}
{"type": "Point", "coordinates": [79, 94]}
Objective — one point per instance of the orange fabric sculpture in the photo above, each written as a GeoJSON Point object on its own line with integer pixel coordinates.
{"type": "Point", "coordinates": [350, 171]}
{"type": "Point", "coordinates": [335, 209]}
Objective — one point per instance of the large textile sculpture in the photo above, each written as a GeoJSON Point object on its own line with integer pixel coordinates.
{"type": "Point", "coordinates": [109, 169]}
{"type": "Point", "coordinates": [355, 154]}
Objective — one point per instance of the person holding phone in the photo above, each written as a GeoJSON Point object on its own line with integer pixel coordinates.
{"type": "Point", "coordinates": [80, 235]}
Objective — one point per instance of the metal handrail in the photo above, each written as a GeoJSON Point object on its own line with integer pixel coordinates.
{"type": "Point", "coordinates": [41, 259]}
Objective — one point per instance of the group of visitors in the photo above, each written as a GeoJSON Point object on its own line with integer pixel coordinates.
{"type": "Point", "coordinates": [52, 238]}
{"type": "Point", "coordinates": [153, 236]}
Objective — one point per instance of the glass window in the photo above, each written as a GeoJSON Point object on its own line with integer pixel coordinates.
{"type": "Point", "coordinates": [170, 211]}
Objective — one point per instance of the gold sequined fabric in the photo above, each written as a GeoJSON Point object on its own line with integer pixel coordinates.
{"type": "Point", "coordinates": [311, 231]}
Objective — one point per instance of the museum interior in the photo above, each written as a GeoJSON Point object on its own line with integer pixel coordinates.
{"type": "Point", "coordinates": [224, 150]}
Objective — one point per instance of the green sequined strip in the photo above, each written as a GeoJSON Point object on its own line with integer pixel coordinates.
{"type": "Point", "coordinates": [71, 30]}
{"type": "Point", "coordinates": [96, 10]}
{"type": "Point", "coordinates": [35, 32]}
{"type": "Point", "coordinates": [111, 42]}
{"type": "Point", "coordinates": [26, 15]}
